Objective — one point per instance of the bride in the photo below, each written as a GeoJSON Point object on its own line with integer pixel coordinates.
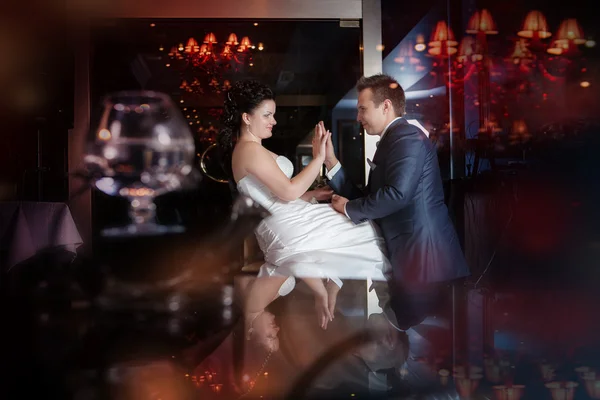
{"type": "Point", "coordinates": [299, 239]}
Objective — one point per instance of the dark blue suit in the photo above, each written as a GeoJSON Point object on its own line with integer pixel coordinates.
{"type": "Point", "coordinates": [405, 197]}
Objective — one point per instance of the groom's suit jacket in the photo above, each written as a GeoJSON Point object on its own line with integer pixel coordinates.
{"type": "Point", "coordinates": [405, 197]}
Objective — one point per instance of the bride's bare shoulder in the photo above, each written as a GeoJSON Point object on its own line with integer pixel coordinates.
{"type": "Point", "coordinates": [244, 150]}
{"type": "Point", "coordinates": [246, 155]}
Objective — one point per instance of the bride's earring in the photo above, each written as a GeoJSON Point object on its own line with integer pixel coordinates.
{"type": "Point", "coordinates": [249, 131]}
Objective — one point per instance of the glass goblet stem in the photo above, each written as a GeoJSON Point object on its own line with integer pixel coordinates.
{"type": "Point", "coordinates": [142, 210]}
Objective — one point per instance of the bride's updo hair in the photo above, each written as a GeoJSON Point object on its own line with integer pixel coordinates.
{"type": "Point", "coordinates": [243, 97]}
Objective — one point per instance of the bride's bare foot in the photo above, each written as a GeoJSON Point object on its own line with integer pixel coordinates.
{"type": "Point", "coordinates": [332, 292]}
{"type": "Point", "coordinates": [322, 309]}
{"type": "Point", "coordinates": [321, 300]}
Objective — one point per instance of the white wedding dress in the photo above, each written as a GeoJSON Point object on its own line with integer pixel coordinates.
{"type": "Point", "coordinates": [306, 240]}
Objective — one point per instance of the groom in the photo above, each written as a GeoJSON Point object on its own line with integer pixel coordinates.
{"type": "Point", "coordinates": [405, 198]}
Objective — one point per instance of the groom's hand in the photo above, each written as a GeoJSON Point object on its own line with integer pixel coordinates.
{"type": "Point", "coordinates": [339, 203]}
{"type": "Point", "coordinates": [323, 193]}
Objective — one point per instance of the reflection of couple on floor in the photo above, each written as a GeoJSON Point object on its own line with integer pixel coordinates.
{"type": "Point", "coordinates": [397, 229]}
{"type": "Point", "coordinates": [301, 344]}
{"type": "Point", "coordinates": [239, 358]}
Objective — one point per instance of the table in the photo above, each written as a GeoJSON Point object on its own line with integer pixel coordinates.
{"type": "Point", "coordinates": [27, 228]}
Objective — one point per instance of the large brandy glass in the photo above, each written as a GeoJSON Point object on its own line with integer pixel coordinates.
{"type": "Point", "coordinates": [142, 148]}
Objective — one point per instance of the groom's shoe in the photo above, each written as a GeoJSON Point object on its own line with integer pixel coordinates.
{"type": "Point", "coordinates": [390, 315]}
{"type": "Point", "coordinates": [372, 165]}
{"type": "Point", "coordinates": [383, 295]}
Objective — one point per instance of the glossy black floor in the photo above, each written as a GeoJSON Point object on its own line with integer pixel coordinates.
{"type": "Point", "coordinates": [59, 342]}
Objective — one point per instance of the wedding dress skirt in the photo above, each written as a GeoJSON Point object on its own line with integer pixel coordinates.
{"type": "Point", "coordinates": [306, 240]}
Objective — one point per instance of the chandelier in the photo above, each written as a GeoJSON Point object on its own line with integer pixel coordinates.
{"type": "Point", "coordinates": [203, 66]}
{"type": "Point", "coordinates": [537, 65]}
{"type": "Point", "coordinates": [212, 54]}
{"type": "Point", "coordinates": [535, 51]}
{"type": "Point", "coordinates": [529, 50]}
{"type": "Point", "coordinates": [195, 86]}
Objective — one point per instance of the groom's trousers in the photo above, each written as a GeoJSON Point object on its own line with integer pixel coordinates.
{"type": "Point", "coordinates": [411, 304]}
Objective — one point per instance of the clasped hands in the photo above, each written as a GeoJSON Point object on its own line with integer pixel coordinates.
{"type": "Point", "coordinates": [330, 160]}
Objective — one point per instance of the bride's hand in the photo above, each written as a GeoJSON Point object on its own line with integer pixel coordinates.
{"type": "Point", "coordinates": [332, 291]}
{"type": "Point", "coordinates": [322, 308]}
{"type": "Point", "coordinates": [319, 142]}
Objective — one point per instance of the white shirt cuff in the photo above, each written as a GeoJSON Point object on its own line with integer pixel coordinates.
{"type": "Point", "coordinates": [334, 170]}
{"type": "Point", "coordinates": [345, 209]}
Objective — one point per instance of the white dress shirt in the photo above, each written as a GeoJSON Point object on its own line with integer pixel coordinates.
{"type": "Point", "coordinates": [330, 174]}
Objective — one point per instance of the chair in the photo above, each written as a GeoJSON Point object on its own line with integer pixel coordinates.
{"type": "Point", "coordinates": [252, 256]}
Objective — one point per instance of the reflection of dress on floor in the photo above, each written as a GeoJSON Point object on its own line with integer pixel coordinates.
{"type": "Point", "coordinates": [309, 240]}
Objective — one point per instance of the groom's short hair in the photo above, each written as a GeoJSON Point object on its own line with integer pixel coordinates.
{"type": "Point", "coordinates": [384, 87]}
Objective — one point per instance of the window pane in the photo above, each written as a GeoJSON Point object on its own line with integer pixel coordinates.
{"type": "Point", "coordinates": [310, 65]}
